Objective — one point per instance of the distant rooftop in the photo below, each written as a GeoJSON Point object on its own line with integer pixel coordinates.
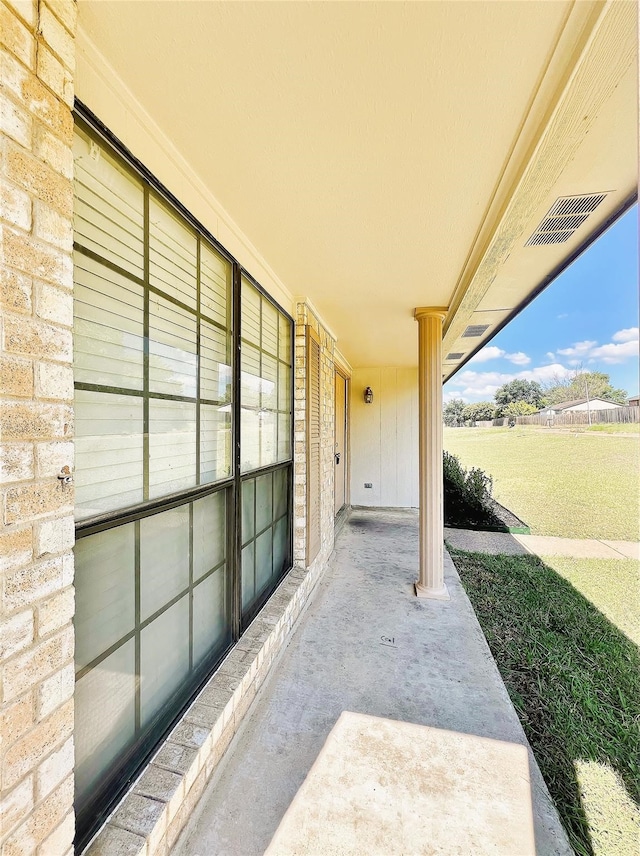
{"type": "Point", "coordinates": [565, 404]}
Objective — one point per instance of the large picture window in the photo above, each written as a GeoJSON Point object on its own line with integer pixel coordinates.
{"type": "Point", "coordinates": [152, 343]}
{"type": "Point", "coordinates": [183, 462]}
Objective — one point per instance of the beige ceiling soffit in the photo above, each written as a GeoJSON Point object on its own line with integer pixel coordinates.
{"type": "Point", "coordinates": [606, 56]}
{"type": "Point", "coordinates": [319, 317]}
{"type": "Point", "coordinates": [136, 113]}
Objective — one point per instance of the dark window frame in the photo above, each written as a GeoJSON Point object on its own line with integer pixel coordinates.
{"type": "Point", "coordinates": [94, 813]}
{"type": "Point", "coordinates": [147, 395]}
{"type": "Point", "coordinates": [254, 607]}
{"type": "Point", "coordinates": [263, 352]}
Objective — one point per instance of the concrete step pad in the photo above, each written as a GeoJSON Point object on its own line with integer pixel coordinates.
{"type": "Point", "coordinates": [385, 788]}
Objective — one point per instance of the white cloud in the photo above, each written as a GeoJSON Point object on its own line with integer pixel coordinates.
{"type": "Point", "coordinates": [483, 385]}
{"type": "Point", "coordinates": [625, 346]}
{"type": "Point", "coordinates": [618, 353]}
{"type": "Point", "coordinates": [519, 359]}
{"type": "Point", "coordinates": [486, 354]}
{"type": "Point", "coordinates": [631, 334]}
{"type": "Point", "coordinates": [545, 373]}
{"type": "Point", "coordinates": [579, 349]}
{"type": "Point", "coordinates": [491, 352]}
{"type": "Point", "coordinates": [481, 393]}
{"type": "Point", "coordinates": [475, 385]}
{"type": "Point", "coordinates": [563, 315]}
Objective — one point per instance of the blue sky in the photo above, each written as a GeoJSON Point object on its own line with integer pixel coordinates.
{"type": "Point", "coordinates": [588, 316]}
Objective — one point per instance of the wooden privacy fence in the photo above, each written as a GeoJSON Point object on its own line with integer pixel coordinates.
{"type": "Point", "coordinates": [576, 417]}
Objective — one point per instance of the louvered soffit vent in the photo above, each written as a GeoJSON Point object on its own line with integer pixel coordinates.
{"type": "Point", "coordinates": [563, 218]}
{"type": "Point", "coordinates": [454, 356]}
{"type": "Point", "coordinates": [475, 330]}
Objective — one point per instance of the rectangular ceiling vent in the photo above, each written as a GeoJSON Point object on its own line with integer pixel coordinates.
{"type": "Point", "coordinates": [576, 204]}
{"type": "Point", "coordinates": [540, 238]}
{"type": "Point", "coordinates": [455, 356]}
{"type": "Point", "coordinates": [563, 218]}
{"type": "Point", "coordinates": [475, 330]}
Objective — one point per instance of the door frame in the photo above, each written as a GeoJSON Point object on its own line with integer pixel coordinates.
{"type": "Point", "coordinates": [345, 374]}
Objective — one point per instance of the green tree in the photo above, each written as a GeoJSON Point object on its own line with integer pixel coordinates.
{"type": "Point", "coordinates": [578, 384]}
{"type": "Point", "coordinates": [519, 390]}
{"type": "Point", "coordinates": [478, 412]}
{"type": "Point", "coordinates": [519, 408]}
{"type": "Point", "coordinates": [452, 413]}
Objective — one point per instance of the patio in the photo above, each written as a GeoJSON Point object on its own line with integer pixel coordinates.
{"type": "Point", "coordinates": [359, 695]}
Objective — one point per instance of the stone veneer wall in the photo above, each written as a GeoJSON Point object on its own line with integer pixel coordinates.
{"type": "Point", "coordinates": [37, 60]}
{"type": "Point", "coordinates": [306, 316]}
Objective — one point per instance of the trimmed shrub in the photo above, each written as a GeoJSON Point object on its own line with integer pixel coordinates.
{"type": "Point", "coordinates": [467, 494]}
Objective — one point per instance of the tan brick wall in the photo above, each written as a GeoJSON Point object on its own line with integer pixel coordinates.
{"type": "Point", "coordinates": [37, 62]}
{"type": "Point", "coordinates": [306, 317]}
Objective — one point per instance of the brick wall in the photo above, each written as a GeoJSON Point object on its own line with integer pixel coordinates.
{"type": "Point", "coordinates": [305, 316]}
{"type": "Point", "coordinates": [36, 427]}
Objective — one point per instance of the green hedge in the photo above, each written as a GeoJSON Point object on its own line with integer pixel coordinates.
{"type": "Point", "coordinates": [467, 494]}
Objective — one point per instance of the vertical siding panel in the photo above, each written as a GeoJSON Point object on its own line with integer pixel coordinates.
{"type": "Point", "coordinates": [407, 450]}
{"type": "Point", "coordinates": [365, 437]}
{"type": "Point", "coordinates": [384, 438]}
{"type": "Point", "coordinates": [388, 437]}
{"type": "Point", "coordinates": [414, 477]}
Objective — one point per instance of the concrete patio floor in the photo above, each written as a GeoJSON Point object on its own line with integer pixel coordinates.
{"type": "Point", "coordinates": [385, 727]}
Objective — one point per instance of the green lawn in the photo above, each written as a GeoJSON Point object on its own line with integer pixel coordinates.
{"type": "Point", "coordinates": [583, 485]}
{"type": "Point", "coordinates": [616, 428]}
{"type": "Point", "coordinates": [599, 427]}
{"type": "Point", "coordinates": [574, 679]}
{"type": "Point", "coordinates": [611, 585]}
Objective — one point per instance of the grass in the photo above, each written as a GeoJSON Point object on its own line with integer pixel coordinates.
{"type": "Point", "coordinates": [611, 585]}
{"type": "Point", "coordinates": [583, 485]}
{"type": "Point", "coordinates": [574, 679]}
{"type": "Point", "coordinates": [616, 428]}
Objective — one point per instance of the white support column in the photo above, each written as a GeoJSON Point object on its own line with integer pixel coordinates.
{"type": "Point", "coordinates": [431, 582]}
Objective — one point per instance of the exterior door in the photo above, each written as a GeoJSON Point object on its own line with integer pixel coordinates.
{"type": "Point", "coordinates": [340, 449]}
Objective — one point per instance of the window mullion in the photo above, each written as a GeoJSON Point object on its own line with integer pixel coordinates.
{"type": "Point", "coordinates": [145, 333]}
{"type": "Point", "coordinates": [198, 361]}
{"type": "Point", "coordinates": [190, 586]}
{"type": "Point", "coordinates": [137, 623]}
{"type": "Point", "coordinates": [235, 557]}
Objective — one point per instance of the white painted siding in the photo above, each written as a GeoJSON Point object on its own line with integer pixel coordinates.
{"type": "Point", "coordinates": [384, 438]}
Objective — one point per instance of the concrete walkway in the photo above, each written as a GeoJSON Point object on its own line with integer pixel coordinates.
{"type": "Point", "coordinates": [540, 545]}
{"type": "Point", "coordinates": [385, 729]}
